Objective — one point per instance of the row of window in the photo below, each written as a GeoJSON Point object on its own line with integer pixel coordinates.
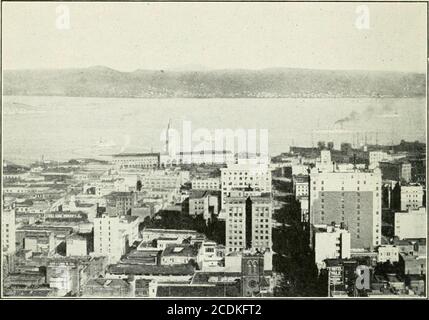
{"type": "Point", "coordinates": [242, 173]}
{"type": "Point", "coordinates": [262, 237]}
{"type": "Point", "coordinates": [261, 231]}
{"type": "Point", "coordinates": [261, 220]}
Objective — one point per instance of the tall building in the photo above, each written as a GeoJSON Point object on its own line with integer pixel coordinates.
{"type": "Point", "coordinates": [352, 198]}
{"type": "Point", "coordinates": [113, 235]}
{"type": "Point", "coordinates": [248, 222]}
{"type": "Point", "coordinates": [253, 177]}
{"type": "Point", "coordinates": [8, 236]}
{"type": "Point", "coordinates": [235, 234]}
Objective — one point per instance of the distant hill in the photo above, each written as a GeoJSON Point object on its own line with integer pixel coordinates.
{"type": "Point", "coordinates": [101, 81]}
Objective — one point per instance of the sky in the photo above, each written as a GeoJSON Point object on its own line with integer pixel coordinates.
{"type": "Point", "coordinates": [130, 36]}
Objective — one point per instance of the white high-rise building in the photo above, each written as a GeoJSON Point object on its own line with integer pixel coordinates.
{"type": "Point", "coordinates": [113, 235]}
{"type": "Point", "coordinates": [352, 198]}
{"type": "Point", "coordinates": [254, 177]}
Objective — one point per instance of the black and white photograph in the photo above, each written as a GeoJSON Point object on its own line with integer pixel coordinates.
{"type": "Point", "coordinates": [213, 150]}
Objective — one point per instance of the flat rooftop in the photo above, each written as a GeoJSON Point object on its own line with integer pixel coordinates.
{"type": "Point", "coordinates": [178, 231]}
{"type": "Point", "coordinates": [178, 269]}
{"type": "Point", "coordinates": [124, 155]}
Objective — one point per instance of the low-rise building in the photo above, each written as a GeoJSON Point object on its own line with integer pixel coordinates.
{"type": "Point", "coordinates": [69, 275]}
{"type": "Point", "coordinates": [411, 246]}
{"type": "Point", "coordinates": [22, 280]}
{"type": "Point", "coordinates": [330, 242]}
{"type": "Point", "coordinates": [149, 234]}
{"type": "Point", "coordinates": [179, 254]}
{"type": "Point", "coordinates": [105, 287]}
{"type": "Point", "coordinates": [211, 256]}
{"type": "Point", "coordinates": [388, 252]}
{"type": "Point", "coordinates": [412, 264]}
{"type": "Point", "coordinates": [40, 242]}
{"type": "Point", "coordinates": [163, 273]}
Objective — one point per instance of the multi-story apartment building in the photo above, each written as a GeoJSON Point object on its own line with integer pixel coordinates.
{"type": "Point", "coordinates": [206, 184]}
{"type": "Point", "coordinates": [113, 235]}
{"type": "Point", "coordinates": [248, 222]}
{"type": "Point", "coordinates": [300, 186]}
{"type": "Point", "coordinates": [235, 225]}
{"type": "Point", "coordinates": [352, 198]}
{"type": "Point", "coordinates": [411, 196]}
{"type": "Point", "coordinates": [245, 177]}
{"type": "Point", "coordinates": [259, 221]}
